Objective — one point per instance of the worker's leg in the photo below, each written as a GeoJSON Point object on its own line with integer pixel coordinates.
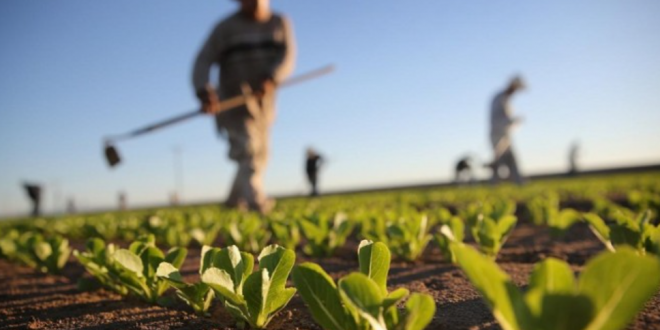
{"type": "Point", "coordinates": [509, 160]}
{"type": "Point", "coordinates": [239, 152]}
{"type": "Point", "coordinates": [235, 193]}
{"type": "Point", "coordinates": [258, 129]}
{"type": "Point", "coordinates": [495, 167]}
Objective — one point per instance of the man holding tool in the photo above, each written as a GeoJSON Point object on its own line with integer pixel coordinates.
{"type": "Point", "coordinates": [502, 123]}
{"type": "Point", "coordinates": [255, 50]}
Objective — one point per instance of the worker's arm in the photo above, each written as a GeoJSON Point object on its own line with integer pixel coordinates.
{"type": "Point", "coordinates": [284, 66]}
{"type": "Point", "coordinates": [207, 56]}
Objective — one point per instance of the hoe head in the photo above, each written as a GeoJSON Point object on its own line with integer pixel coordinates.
{"type": "Point", "coordinates": [111, 154]}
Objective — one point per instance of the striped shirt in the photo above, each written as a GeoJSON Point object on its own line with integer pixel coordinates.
{"type": "Point", "coordinates": [246, 51]}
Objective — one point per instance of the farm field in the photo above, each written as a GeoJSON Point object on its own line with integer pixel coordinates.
{"type": "Point", "coordinates": [549, 219]}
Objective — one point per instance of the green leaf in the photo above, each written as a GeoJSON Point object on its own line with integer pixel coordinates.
{"type": "Point", "coordinates": [236, 263]}
{"type": "Point", "coordinates": [505, 226]}
{"type": "Point", "coordinates": [321, 297]}
{"type": "Point", "coordinates": [552, 276]}
{"type": "Point", "coordinates": [553, 280]}
{"type": "Point", "coordinates": [618, 284]}
{"type": "Point", "coordinates": [420, 309]}
{"type": "Point", "coordinates": [176, 256]}
{"type": "Point", "coordinates": [95, 246]}
{"type": "Point", "coordinates": [167, 271]}
{"type": "Point", "coordinates": [364, 296]}
{"type": "Point", "coordinates": [599, 228]}
{"type": "Point", "coordinates": [255, 292]}
{"type": "Point", "coordinates": [279, 262]}
{"type": "Point", "coordinates": [220, 281]}
{"type": "Point", "coordinates": [626, 234]}
{"type": "Point", "coordinates": [559, 311]}
{"type": "Point", "coordinates": [151, 258]}
{"type": "Point", "coordinates": [129, 261]}
{"type": "Point", "coordinates": [374, 259]}
{"type": "Point", "coordinates": [43, 250]}
{"type": "Point", "coordinates": [280, 300]}
{"type": "Point", "coordinates": [394, 297]}
{"type": "Point", "coordinates": [210, 258]}
{"type": "Point", "coordinates": [500, 294]}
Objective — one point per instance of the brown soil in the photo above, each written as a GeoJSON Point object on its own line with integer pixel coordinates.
{"type": "Point", "coordinates": [31, 300]}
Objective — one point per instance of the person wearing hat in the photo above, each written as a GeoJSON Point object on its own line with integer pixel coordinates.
{"type": "Point", "coordinates": [255, 50]}
{"type": "Point", "coordinates": [502, 123]}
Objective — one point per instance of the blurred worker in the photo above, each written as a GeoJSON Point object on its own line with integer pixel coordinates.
{"type": "Point", "coordinates": [255, 50]}
{"type": "Point", "coordinates": [502, 123]}
{"type": "Point", "coordinates": [122, 201]}
{"type": "Point", "coordinates": [34, 194]}
{"type": "Point", "coordinates": [312, 166]}
{"type": "Point", "coordinates": [71, 206]}
{"type": "Point", "coordinates": [572, 158]}
{"type": "Point", "coordinates": [464, 170]}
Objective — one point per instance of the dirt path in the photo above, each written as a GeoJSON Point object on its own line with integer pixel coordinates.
{"type": "Point", "coordinates": [31, 300]}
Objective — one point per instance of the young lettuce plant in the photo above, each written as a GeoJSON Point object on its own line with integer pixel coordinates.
{"type": "Point", "coordinates": [33, 250]}
{"type": "Point", "coordinates": [287, 233]}
{"type": "Point", "coordinates": [361, 300]}
{"type": "Point", "coordinates": [207, 235]}
{"type": "Point", "coordinates": [452, 231]}
{"type": "Point", "coordinates": [197, 295]}
{"type": "Point", "coordinates": [248, 232]}
{"type": "Point", "coordinates": [252, 298]}
{"type": "Point", "coordinates": [611, 290]}
{"type": "Point", "coordinates": [491, 234]}
{"type": "Point", "coordinates": [325, 235]}
{"type": "Point", "coordinates": [138, 265]}
{"type": "Point", "coordinates": [495, 210]}
{"type": "Point", "coordinates": [408, 237]}
{"type": "Point", "coordinates": [636, 232]}
{"type": "Point", "coordinates": [98, 261]}
{"type": "Point", "coordinates": [545, 211]}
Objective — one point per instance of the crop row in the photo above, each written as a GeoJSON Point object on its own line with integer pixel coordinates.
{"type": "Point", "coordinates": [623, 214]}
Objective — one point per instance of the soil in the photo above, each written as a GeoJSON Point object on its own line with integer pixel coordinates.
{"type": "Point", "coordinates": [31, 300]}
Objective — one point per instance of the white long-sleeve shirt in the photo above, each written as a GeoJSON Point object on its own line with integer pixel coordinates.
{"type": "Point", "coordinates": [501, 120]}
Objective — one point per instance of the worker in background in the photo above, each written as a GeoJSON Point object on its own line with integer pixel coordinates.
{"type": "Point", "coordinates": [502, 123]}
{"type": "Point", "coordinates": [122, 201]}
{"type": "Point", "coordinates": [572, 158]}
{"type": "Point", "coordinates": [34, 194]}
{"type": "Point", "coordinates": [312, 165]}
{"type": "Point", "coordinates": [255, 51]}
{"type": "Point", "coordinates": [464, 171]}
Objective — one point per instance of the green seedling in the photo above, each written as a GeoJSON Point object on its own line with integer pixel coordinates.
{"type": "Point", "coordinates": [287, 233]}
{"type": "Point", "coordinates": [248, 232]}
{"type": "Point", "coordinates": [324, 234]}
{"type": "Point", "coordinates": [545, 211]}
{"type": "Point", "coordinates": [137, 268]}
{"type": "Point", "coordinates": [452, 231]}
{"type": "Point", "coordinates": [408, 237]}
{"type": "Point", "coordinates": [252, 298]}
{"type": "Point", "coordinates": [33, 250]}
{"type": "Point", "coordinates": [361, 300]}
{"type": "Point", "coordinates": [491, 234]}
{"type": "Point", "coordinates": [636, 232]}
{"type": "Point", "coordinates": [611, 290]}
{"type": "Point", "coordinates": [99, 262]}
{"type": "Point", "coordinates": [197, 295]}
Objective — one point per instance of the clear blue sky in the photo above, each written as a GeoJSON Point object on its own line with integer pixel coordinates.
{"type": "Point", "coordinates": [409, 98]}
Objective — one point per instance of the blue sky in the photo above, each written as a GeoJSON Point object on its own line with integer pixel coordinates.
{"type": "Point", "coordinates": [409, 98]}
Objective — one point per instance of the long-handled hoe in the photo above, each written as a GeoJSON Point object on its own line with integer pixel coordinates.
{"type": "Point", "coordinates": [112, 155]}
